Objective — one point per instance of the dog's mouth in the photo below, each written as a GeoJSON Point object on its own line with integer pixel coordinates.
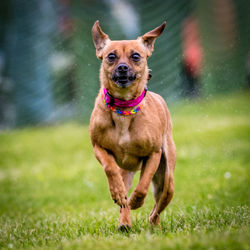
{"type": "Point", "coordinates": [123, 81]}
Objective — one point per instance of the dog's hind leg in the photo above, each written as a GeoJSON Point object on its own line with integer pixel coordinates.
{"type": "Point", "coordinates": [125, 222]}
{"type": "Point", "coordinates": [163, 182]}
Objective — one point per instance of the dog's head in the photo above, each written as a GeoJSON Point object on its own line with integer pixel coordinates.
{"type": "Point", "coordinates": [124, 63]}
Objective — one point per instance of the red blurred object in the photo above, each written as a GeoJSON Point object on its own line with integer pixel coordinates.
{"type": "Point", "coordinates": [192, 50]}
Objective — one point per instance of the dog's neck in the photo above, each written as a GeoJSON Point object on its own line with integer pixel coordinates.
{"type": "Point", "coordinates": [110, 100]}
{"type": "Point", "coordinates": [124, 95]}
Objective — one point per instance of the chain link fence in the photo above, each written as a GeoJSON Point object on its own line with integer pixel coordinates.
{"type": "Point", "coordinates": [49, 71]}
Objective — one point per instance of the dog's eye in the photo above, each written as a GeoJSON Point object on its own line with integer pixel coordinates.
{"type": "Point", "coordinates": [111, 57]}
{"type": "Point", "coordinates": [135, 57]}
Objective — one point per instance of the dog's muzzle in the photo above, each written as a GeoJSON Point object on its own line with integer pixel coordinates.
{"type": "Point", "coordinates": [123, 76]}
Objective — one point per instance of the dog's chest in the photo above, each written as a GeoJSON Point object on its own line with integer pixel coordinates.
{"type": "Point", "coordinates": [125, 138]}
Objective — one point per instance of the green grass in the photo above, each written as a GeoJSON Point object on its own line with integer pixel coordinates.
{"type": "Point", "coordinates": [54, 193]}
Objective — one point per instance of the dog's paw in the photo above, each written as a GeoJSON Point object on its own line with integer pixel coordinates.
{"type": "Point", "coordinates": [136, 199]}
{"type": "Point", "coordinates": [118, 192]}
{"type": "Point", "coordinates": [124, 228]}
{"type": "Point", "coordinates": [154, 219]}
{"type": "Point", "coordinates": [119, 198]}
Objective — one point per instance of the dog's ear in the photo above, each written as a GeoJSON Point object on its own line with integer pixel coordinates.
{"type": "Point", "coordinates": [100, 39]}
{"type": "Point", "coordinates": [149, 38]}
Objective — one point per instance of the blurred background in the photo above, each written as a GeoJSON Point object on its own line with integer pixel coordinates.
{"type": "Point", "coordinates": [49, 71]}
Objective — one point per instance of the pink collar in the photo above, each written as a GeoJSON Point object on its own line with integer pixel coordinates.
{"type": "Point", "coordinates": [110, 100]}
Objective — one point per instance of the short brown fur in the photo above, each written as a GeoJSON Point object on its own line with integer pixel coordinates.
{"type": "Point", "coordinates": [143, 141]}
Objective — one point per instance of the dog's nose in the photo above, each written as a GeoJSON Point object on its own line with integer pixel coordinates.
{"type": "Point", "coordinates": [122, 67]}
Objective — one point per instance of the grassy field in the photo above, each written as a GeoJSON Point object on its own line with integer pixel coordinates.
{"type": "Point", "coordinates": [54, 193]}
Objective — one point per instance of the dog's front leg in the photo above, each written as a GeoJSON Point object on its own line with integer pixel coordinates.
{"type": "Point", "coordinates": [149, 168]}
{"type": "Point", "coordinates": [116, 184]}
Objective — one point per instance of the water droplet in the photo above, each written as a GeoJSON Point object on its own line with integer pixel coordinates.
{"type": "Point", "coordinates": [227, 175]}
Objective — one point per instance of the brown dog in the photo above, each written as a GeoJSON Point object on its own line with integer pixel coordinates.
{"type": "Point", "coordinates": [124, 139]}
